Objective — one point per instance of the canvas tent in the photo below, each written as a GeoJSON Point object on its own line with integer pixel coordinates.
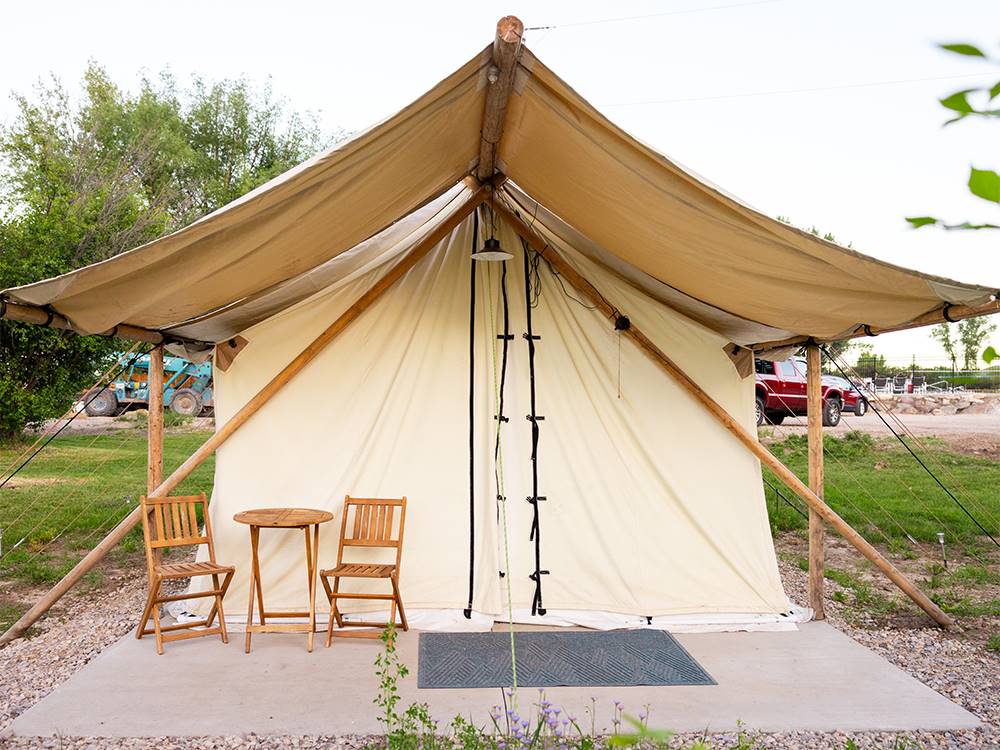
{"type": "Point", "coordinates": [651, 508]}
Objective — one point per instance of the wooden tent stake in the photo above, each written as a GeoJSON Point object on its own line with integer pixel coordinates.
{"type": "Point", "coordinates": [817, 534]}
{"type": "Point", "coordinates": [815, 503]}
{"type": "Point", "coordinates": [252, 406]}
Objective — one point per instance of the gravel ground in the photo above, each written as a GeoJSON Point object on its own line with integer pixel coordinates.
{"type": "Point", "coordinates": [32, 667]}
{"type": "Point", "coordinates": [922, 425]}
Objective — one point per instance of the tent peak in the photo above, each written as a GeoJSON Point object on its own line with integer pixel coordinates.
{"type": "Point", "coordinates": [507, 47]}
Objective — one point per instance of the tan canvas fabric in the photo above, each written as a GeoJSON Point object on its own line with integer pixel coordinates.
{"type": "Point", "coordinates": [287, 227]}
{"type": "Point", "coordinates": [654, 223]}
{"type": "Point", "coordinates": [638, 205]}
{"type": "Point", "coordinates": [637, 520]}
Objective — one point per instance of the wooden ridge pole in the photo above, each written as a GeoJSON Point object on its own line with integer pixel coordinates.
{"type": "Point", "coordinates": [946, 314]}
{"type": "Point", "coordinates": [817, 534]}
{"type": "Point", "coordinates": [39, 316]}
{"type": "Point", "coordinates": [506, 50]}
{"type": "Point", "coordinates": [824, 511]}
{"type": "Point", "coordinates": [250, 408]}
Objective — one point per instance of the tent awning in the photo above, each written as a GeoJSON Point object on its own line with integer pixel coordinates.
{"type": "Point", "coordinates": [580, 178]}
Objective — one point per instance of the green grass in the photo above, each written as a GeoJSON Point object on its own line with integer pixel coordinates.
{"type": "Point", "coordinates": [74, 491]}
{"type": "Point", "coordinates": [861, 594]}
{"type": "Point", "coordinates": [883, 493]}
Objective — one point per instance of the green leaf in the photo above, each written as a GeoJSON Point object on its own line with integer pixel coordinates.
{"type": "Point", "coordinates": [995, 91]}
{"type": "Point", "coordinates": [921, 221]}
{"type": "Point", "coordinates": [970, 225]}
{"type": "Point", "coordinates": [958, 102]}
{"type": "Point", "coordinates": [985, 183]}
{"type": "Point", "coordinates": [961, 48]}
{"type": "Point", "coordinates": [990, 354]}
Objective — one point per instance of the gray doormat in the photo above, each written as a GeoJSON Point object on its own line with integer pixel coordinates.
{"type": "Point", "coordinates": [574, 658]}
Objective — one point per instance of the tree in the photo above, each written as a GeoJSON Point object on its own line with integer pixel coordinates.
{"type": "Point", "coordinates": [974, 102]}
{"type": "Point", "coordinates": [869, 364]}
{"type": "Point", "coordinates": [943, 334]}
{"type": "Point", "coordinates": [972, 332]}
{"type": "Point", "coordinates": [81, 183]}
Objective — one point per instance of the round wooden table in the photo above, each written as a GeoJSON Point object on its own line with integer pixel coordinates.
{"type": "Point", "coordinates": [283, 518]}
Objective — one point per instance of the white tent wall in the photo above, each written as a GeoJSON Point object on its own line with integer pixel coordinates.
{"type": "Point", "coordinates": [382, 412]}
{"type": "Point", "coordinates": [638, 520]}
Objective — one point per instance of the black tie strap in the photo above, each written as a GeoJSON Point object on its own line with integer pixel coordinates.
{"type": "Point", "coordinates": [472, 414]}
{"type": "Point", "coordinates": [535, 534]}
{"type": "Point", "coordinates": [506, 337]}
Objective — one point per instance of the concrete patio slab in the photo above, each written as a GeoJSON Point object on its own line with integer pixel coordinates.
{"type": "Point", "coordinates": [814, 679]}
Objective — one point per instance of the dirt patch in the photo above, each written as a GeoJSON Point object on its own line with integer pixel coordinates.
{"type": "Point", "coordinates": [84, 424]}
{"type": "Point", "coordinates": [14, 482]}
{"type": "Point", "coordinates": [984, 446]}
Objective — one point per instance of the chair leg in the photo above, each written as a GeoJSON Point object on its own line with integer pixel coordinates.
{"type": "Point", "coordinates": [144, 620]}
{"type": "Point", "coordinates": [329, 622]}
{"type": "Point", "coordinates": [336, 609]}
{"type": "Point", "coordinates": [392, 609]}
{"type": "Point", "coordinates": [398, 600]}
{"type": "Point", "coordinates": [156, 621]}
{"type": "Point", "coordinates": [215, 604]}
{"type": "Point", "coordinates": [218, 600]}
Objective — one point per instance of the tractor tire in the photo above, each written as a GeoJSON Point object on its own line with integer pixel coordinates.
{"type": "Point", "coordinates": [186, 402]}
{"type": "Point", "coordinates": [102, 403]}
{"type": "Point", "coordinates": [861, 408]}
{"type": "Point", "coordinates": [832, 412]}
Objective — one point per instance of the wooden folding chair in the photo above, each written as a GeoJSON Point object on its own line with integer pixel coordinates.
{"type": "Point", "coordinates": [371, 524]}
{"type": "Point", "coordinates": [173, 522]}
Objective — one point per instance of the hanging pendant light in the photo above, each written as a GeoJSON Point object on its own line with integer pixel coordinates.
{"type": "Point", "coordinates": [492, 252]}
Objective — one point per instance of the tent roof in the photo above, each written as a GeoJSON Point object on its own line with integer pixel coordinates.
{"type": "Point", "coordinates": [582, 181]}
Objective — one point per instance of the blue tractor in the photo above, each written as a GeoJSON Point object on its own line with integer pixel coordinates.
{"type": "Point", "coordinates": [187, 388]}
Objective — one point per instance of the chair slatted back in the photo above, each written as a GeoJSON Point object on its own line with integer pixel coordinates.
{"type": "Point", "coordinates": [173, 522]}
{"type": "Point", "coordinates": [372, 522]}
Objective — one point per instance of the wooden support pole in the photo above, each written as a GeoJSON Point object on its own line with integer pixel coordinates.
{"type": "Point", "coordinates": [41, 317]}
{"type": "Point", "coordinates": [154, 432]}
{"type": "Point", "coordinates": [588, 291]}
{"type": "Point", "coordinates": [154, 428]}
{"type": "Point", "coordinates": [817, 533]}
{"type": "Point", "coordinates": [948, 313]}
{"type": "Point", "coordinates": [251, 407]}
{"type": "Point", "coordinates": [506, 50]}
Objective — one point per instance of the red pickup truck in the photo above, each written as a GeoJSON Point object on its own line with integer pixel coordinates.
{"type": "Point", "coordinates": [781, 392]}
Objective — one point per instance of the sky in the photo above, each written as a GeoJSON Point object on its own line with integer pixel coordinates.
{"type": "Point", "coordinates": [824, 113]}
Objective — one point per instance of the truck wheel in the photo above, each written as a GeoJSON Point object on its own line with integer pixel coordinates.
{"type": "Point", "coordinates": [186, 402]}
{"type": "Point", "coordinates": [775, 417]}
{"type": "Point", "coordinates": [102, 403]}
{"type": "Point", "coordinates": [861, 408]}
{"type": "Point", "coordinates": [831, 412]}
{"type": "Point", "coordinates": [760, 411]}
